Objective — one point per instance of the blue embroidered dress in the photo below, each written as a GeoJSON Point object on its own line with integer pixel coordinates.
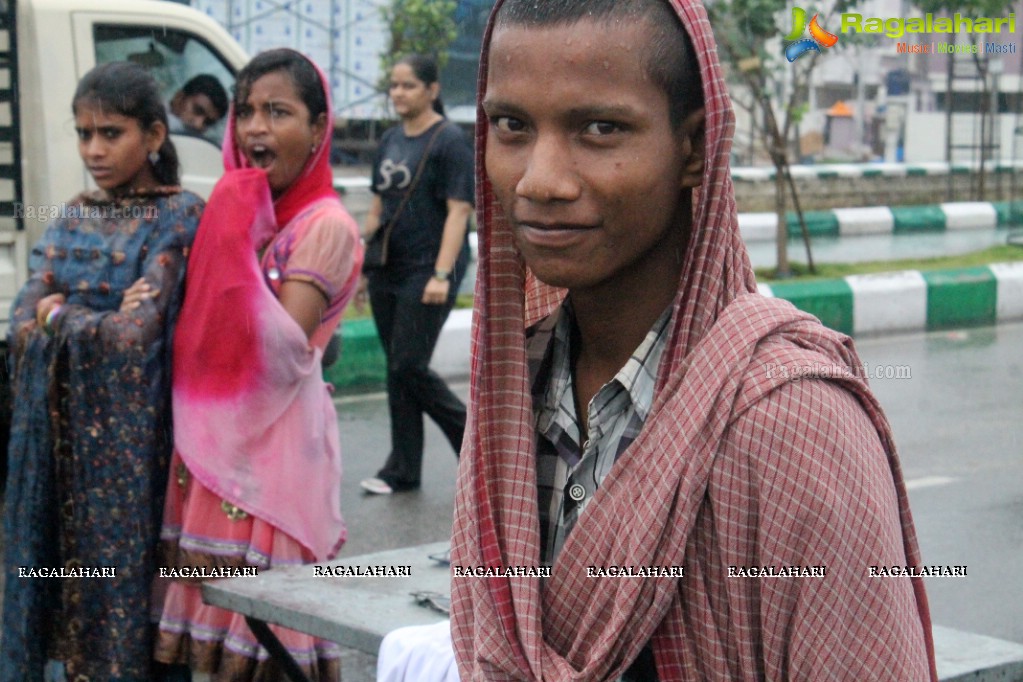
{"type": "Point", "coordinates": [91, 437]}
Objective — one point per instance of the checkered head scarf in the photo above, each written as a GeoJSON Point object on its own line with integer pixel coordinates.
{"type": "Point", "coordinates": [644, 513]}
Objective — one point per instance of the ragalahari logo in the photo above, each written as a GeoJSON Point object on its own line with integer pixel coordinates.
{"type": "Point", "coordinates": [818, 36]}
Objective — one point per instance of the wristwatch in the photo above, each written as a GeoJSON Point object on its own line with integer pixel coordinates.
{"type": "Point", "coordinates": [441, 275]}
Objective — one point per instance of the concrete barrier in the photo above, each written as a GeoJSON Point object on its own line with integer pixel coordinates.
{"type": "Point", "coordinates": [1009, 296]}
{"type": "Point", "coordinates": [853, 222]}
{"type": "Point", "coordinates": [758, 227]}
{"type": "Point", "coordinates": [860, 170]}
{"type": "Point", "coordinates": [888, 302]}
{"type": "Point", "coordinates": [899, 220]}
{"type": "Point", "coordinates": [963, 656]}
{"type": "Point", "coordinates": [970, 215]}
{"type": "Point", "coordinates": [451, 357]}
{"type": "Point", "coordinates": [858, 305]}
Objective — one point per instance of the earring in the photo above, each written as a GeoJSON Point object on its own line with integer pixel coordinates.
{"type": "Point", "coordinates": [154, 156]}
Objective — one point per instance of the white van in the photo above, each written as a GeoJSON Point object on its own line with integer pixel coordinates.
{"type": "Point", "coordinates": [46, 46]}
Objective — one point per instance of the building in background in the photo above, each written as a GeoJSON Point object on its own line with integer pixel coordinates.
{"type": "Point", "coordinates": [897, 99]}
{"type": "Point", "coordinates": [904, 101]}
{"type": "Point", "coordinates": [346, 38]}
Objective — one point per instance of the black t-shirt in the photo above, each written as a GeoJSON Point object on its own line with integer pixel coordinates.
{"type": "Point", "coordinates": [448, 174]}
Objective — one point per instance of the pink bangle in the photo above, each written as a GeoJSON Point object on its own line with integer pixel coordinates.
{"type": "Point", "coordinates": [50, 316]}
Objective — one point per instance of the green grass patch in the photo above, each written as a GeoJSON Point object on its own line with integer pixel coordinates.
{"type": "Point", "coordinates": [996, 254]}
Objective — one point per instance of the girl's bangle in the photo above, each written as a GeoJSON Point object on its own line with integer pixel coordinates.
{"type": "Point", "coordinates": [50, 316]}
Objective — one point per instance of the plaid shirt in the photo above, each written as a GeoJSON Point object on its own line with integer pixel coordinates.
{"type": "Point", "coordinates": [568, 474]}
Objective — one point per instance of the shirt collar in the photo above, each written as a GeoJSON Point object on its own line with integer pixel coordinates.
{"type": "Point", "coordinates": [553, 375]}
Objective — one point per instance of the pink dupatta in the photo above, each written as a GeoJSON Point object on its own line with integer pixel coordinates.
{"type": "Point", "coordinates": [253, 419]}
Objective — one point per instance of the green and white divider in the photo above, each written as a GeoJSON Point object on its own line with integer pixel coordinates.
{"type": "Point", "coordinates": [888, 301]}
{"type": "Point", "coordinates": [851, 222]}
{"type": "Point", "coordinates": [910, 300]}
{"type": "Point", "coordinates": [1009, 296]}
{"type": "Point", "coordinates": [867, 170]}
{"type": "Point", "coordinates": [859, 304]}
{"type": "Point", "coordinates": [970, 215]}
{"type": "Point", "coordinates": [866, 220]}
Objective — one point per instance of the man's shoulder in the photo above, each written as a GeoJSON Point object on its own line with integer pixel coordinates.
{"type": "Point", "coordinates": [174, 124]}
{"type": "Point", "coordinates": [809, 399]}
{"type": "Point", "coordinates": [806, 425]}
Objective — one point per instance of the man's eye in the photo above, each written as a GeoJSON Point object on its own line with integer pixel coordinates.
{"type": "Point", "coordinates": [602, 128]}
{"type": "Point", "coordinates": [507, 124]}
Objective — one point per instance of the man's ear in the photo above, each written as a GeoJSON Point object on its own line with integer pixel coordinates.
{"type": "Point", "coordinates": [692, 130]}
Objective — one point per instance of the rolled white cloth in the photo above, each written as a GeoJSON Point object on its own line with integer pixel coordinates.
{"type": "Point", "coordinates": [418, 653]}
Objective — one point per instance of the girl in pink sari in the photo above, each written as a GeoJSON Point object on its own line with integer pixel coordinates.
{"type": "Point", "coordinates": [256, 475]}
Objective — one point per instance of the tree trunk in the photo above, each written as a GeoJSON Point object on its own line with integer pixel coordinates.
{"type": "Point", "coordinates": [782, 237]}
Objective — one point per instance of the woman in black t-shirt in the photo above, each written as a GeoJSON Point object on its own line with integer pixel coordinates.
{"type": "Point", "coordinates": [423, 196]}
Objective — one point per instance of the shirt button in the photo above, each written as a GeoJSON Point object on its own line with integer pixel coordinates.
{"type": "Point", "coordinates": [577, 492]}
{"type": "Point", "coordinates": [274, 274]}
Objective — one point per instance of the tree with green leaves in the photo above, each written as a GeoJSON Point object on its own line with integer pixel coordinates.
{"type": "Point", "coordinates": [418, 26]}
{"type": "Point", "coordinates": [749, 35]}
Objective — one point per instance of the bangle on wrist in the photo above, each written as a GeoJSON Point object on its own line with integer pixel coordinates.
{"type": "Point", "coordinates": [441, 275]}
{"type": "Point", "coordinates": [50, 317]}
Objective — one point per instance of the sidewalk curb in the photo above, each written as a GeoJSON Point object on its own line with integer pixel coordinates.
{"type": "Point", "coordinates": [963, 656]}
{"type": "Point", "coordinates": [859, 305]}
{"type": "Point", "coordinates": [910, 300]}
{"type": "Point", "coordinates": [895, 220]}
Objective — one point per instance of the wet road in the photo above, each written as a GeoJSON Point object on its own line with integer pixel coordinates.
{"type": "Point", "coordinates": [958, 422]}
{"type": "Point", "coordinates": [958, 425]}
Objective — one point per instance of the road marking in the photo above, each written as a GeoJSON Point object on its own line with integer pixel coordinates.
{"type": "Point", "coordinates": [928, 482]}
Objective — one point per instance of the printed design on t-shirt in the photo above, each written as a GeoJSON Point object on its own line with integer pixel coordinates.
{"type": "Point", "coordinates": [393, 174]}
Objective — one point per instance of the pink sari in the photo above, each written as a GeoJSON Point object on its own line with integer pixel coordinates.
{"type": "Point", "coordinates": [256, 474]}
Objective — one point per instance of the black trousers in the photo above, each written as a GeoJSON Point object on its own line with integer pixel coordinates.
{"type": "Point", "coordinates": [408, 330]}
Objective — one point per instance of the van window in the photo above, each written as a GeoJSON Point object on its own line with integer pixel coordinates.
{"type": "Point", "coordinates": [174, 57]}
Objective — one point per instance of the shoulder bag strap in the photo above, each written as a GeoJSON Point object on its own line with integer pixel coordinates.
{"type": "Point", "coordinates": [386, 236]}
